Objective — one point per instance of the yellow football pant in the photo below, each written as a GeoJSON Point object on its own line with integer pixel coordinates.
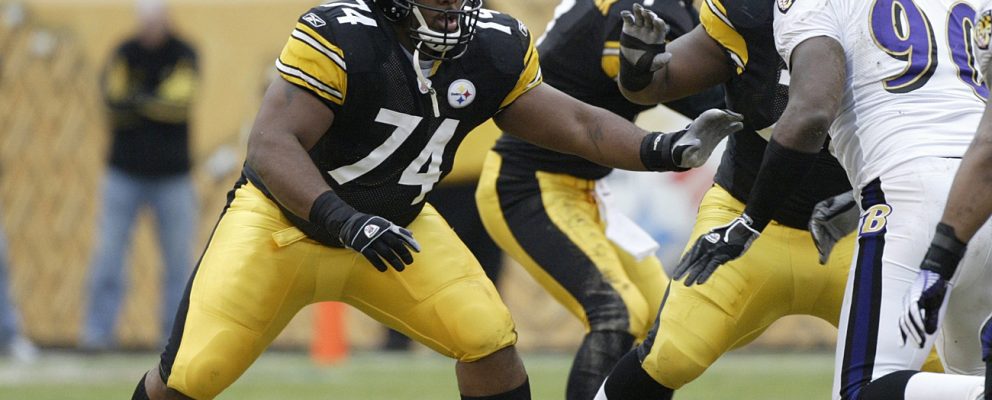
{"type": "Point", "coordinates": [778, 276]}
{"type": "Point", "coordinates": [259, 270]}
{"type": "Point", "coordinates": [550, 224]}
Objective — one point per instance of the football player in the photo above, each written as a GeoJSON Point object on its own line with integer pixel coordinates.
{"type": "Point", "coordinates": [373, 102]}
{"type": "Point", "coordinates": [901, 109]}
{"type": "Point", "coordinates": [968, 208]}
{"type": "Point", "coordinates": [780, 276]}
{"type": "Point", "coordinates": [545, 208]}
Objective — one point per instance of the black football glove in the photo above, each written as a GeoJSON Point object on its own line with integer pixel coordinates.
{"type": "Point", "coordinates": [378, 239]}
{"type": "Point", "coordinates": [833, 219]}
{"type": "Point", "coordinates": [715, 248]}
{"type": "Point", "coordinates": [924, 303]}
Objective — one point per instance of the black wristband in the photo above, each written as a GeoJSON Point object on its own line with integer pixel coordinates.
{"type": "Point", "coordinates": [946, 250]}
{"type": "Point", "coordinates": [656, 151]}
{"type": "Point", "coordinates": [330, 212]}
{"type": "Point", "coordinates": [782, 170]}
{"type": "Point", "coordinates": [636, 77]}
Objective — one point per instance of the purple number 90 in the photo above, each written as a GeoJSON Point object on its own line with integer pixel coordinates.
{"type": "Point", "coordinates": [903, 31]}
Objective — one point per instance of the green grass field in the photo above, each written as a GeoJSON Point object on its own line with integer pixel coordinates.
{"type": "Point", "coordinates": [373, 376]}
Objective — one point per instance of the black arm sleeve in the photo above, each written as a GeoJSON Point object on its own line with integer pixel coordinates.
{"type": "Point", "coordinates": [782, 170]}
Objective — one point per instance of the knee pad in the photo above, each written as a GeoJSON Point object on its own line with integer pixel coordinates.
{"type": "Point", "coordinates": [676, 356]}
{"type": "Point", "coordinates": [477, 322]}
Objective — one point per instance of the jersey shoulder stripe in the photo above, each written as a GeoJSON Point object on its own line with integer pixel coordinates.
{"type": "Point", "coordinates": [311, 58]}
{"type": "Point", "coordinates": [307, 35]}
{"type": "Point", "coordinates": [314, 84]}
{"type": "Point", "coordinates": [713, 16]}
{"type": "Point", "coordinates": [530, 76]}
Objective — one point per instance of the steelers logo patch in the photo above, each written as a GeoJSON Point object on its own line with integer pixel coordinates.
{"type": "Point", "coordinates": [461, 93]}
{"type": "Point", "coordinates": [983, 30]}
{"type": "Point", "coordinates": [785, 5]}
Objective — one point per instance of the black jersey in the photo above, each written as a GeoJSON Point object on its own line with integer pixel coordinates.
{"type": "Point", "coordinates": [149, 92]}
{"type": "Point", "coordinates": [760, 93]}
{"type": "Point", "coordinates": [386, 148]}
{"type": "Point", "coordinates": [580, 55]}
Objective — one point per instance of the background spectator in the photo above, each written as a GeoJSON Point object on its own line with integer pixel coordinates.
{"type": "Point", "coordinates": [148, 87]}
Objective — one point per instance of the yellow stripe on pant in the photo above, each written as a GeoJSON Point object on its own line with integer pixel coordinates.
{"type": "Point", "coordinates": [258, 271]}
{"type": "Point", "coordinates": [550, 224]}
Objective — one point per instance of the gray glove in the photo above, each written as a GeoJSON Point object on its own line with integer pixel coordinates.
{"type": "Point", "coordinates": [704, 134]}
{"type": "Point", "coordinates": [642, 46]}
{"type": "Point", "coordinates": [833, 219]}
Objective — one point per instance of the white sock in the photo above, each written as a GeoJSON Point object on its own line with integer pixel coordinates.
{"type": "Point", "coordinates": [931, 386]}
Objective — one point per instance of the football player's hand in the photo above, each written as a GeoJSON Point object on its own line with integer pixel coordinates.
{"type": "Point", "coordinates": [715, 248]}
{"type": "Point", "coordinates": [924, 303]}
{"type": "Point", "coordinates": [642, 47]}
{"type": "Point", "coordinates": [378, 239]}
{"type": "Point", "coordinates": [923, 306]}
{"type": "Point", "coordinates": [695, 146]}
{"type": "Point", "coordinates": [833, 219]}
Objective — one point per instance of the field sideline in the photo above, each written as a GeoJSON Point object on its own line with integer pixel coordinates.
{"type": "Point", "coordinates": [374, 376]}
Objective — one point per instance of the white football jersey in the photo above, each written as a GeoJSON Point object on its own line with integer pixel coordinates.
{"type": "Point", "coordinates": [912, 89]}
{"type": "Point", "coordinates": [983, 38]}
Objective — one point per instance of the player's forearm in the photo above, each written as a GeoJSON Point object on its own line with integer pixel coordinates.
{"type": "Point", "coordinates": [650, 95]}
{"type": "Point", "coordinates": [698, 64]}
{"type": "Point", "coordinates": [286, 169]}
{"type": "Point", "coordinates": [789, 156]}
{"type": "Point", "coordinates": [607, 139]}
{"type": "Point", "coordinates": [969, 205]}
{"type": "Point", "coordinates": [554, 120]}
{"type": "Point", "coordinates": [800, 132]}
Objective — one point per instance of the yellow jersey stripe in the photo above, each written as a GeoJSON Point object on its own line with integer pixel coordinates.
{"type": "Point", "coordinates": [298, 77]}
{"type": "Point", "coordinates": [611, 59]}
{"type": "Point", "coordinates": [313, 69]}
{"type": "Point", "coordinates": [317, 45]}
{"type": "Point", "coordinates": [604, 5]}
{"type": "Point", "coordinates": [180, 86]}
{"type": "Point", "coordinates": [717, 7]}
{"type": "Point", "coordinates": [316, 36]}
{"type": "Point", "coordinates": [611, 65]}
{"type": "Point", "coordinates": [530, 77]}
{"type": "Point", "coordinates": [714, 19]}
{"type": "Point", "coordinates": [115, 81]}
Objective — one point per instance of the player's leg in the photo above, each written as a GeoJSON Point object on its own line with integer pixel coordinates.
{"type": "Point", "coordinates": [256, 273]}
{"type": "Point", "coordinates": [900, 212]}
{"type": "Point", "coordinates": [174, 202]}
{"type": "Point", "coordinates": [550, 224]}
{"type": "Point", "coordinates": [698, 324]}
{"type": "Point", "coordinates": [9, 317]}
{"type": "Point", "coordinates": [445, 301]}
{"type": "Point", "coordinates": [122, 197]}
{"type": "Point", "coordinates": [968, 306]}
{"type": "Point", "coordinates": [827, 284]}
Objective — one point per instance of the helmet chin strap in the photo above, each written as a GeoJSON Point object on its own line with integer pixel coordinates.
{"type": "Point", "coordinates": [425, 84]}
{"type": "Point", "coordinates": [440, 42]}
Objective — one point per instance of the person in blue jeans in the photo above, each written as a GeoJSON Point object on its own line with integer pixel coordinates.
{"type": "Point", "coordinates": [148, 86]}
{"type": "Point", "coordinates": [13, 343]}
